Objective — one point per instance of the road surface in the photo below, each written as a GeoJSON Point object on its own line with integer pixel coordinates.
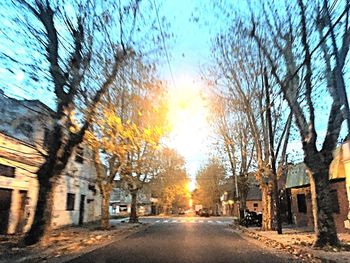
{"type": "Point", "coordinates": [183, 239]}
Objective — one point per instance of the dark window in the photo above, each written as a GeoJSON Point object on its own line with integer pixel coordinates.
{"type": "Point", "coordinates": [255, 205]}
{"type": "Point", "coordinates": [79, 154]}
{"type": "Point", "coordinates": [46, 138]}
{"type": "Point", "coordinates": [334, 201]}
{"type": "Point", "coordinates": [70, 202]}
{"type": "Point", "coordinates": [301, 203]}
{"type": "Point", "coordinates": [123, 208]}
{"type": "Point", "coordinates": [7, 171]}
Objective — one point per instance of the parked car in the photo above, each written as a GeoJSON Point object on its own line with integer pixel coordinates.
{"type": "Point", "coordinates": [181, 212]}
{"type": "Point", "coordinates": [251, 219]}
{"type": "Point", "coordinates": [204, 212]}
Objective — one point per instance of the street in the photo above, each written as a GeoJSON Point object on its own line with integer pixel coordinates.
{"type": "Point", "coordinates": [183, 239]}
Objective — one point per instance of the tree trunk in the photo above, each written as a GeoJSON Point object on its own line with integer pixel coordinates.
{"type": "Point", "coordinates": [43, 212]}
{"type": "Point", "coordinates": [106, 196]}
{"type": "Point", "coordinates": [325, 229]}
{"type": "Point", "coordinates": [266, 208]}
{"type": "Point", "coordinates": [133, 213]}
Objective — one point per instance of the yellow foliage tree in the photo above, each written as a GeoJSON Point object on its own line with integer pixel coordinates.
{"type": "Point", "coordinates": [127, 131]}
{"type": "Point", "coordinates": [170, 185]}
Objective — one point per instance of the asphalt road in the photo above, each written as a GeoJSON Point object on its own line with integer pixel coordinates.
{"type": "Point", "coordinates": [184, 239]}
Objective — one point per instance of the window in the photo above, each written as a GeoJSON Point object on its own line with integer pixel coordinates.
{"type": "Point", "coordinates": [123, 208]}
{"type": "Point", "coordinates": [334, 201]}
{"type": "Point", "coordinates": [7, 171]}
{"type": "Point", "coordinates": [46, 142]}
{"type": "Point", "coordinates": [79, 154]}
{"type": "Point", "coordinates": [255, 205]}
{"type": "Point", "coordinates": [70, 202]}
{"type": "Point", "coordinates": [301, 199]}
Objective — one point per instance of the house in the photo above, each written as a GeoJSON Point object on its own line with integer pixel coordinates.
{"type": "Point", "coordinates": [345, 161]}
{"type": "Point", "coordinates": [120, 203]}
{"type": "Point", "coordinates": [24, 129]}
{"type": "Point", "coordinates": [299, 183]}
{"type": "Point", "coordinates": [229, 203]}
{"type": "Point", "coordinates": [18, 184]}
{"type": "Point", "coordinates": [254, 199]}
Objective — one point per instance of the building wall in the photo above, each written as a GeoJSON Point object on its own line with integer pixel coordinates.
{"type": "Point", "coordinates": [306, 219]}
{"type": "Point", "coordinates": [78, 179]}
{"type": "Point", "coordinates": [340, 217]}
{"type": "Point", "coordinates": [302, 219]}
{"type": "Point", "coordinates": [121, 197]}
{"type": "Point", "coordinates": [24, 126]}
{"type": "Point", "coordinates": [24, 180]}
{"type": "Point", "coordinates": [254, 205]}
{"type": "Point", "coordinates": [346, 160]}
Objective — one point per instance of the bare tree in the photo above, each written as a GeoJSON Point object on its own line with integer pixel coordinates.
{"type": "Point", "coordinates": [234, 140]}
{"type": "Point", "coordinates": [297, 72]}
{"type": "Point", "coordinates": [240, 74]}
{"type": "Point", "coordinates": [84, 46]}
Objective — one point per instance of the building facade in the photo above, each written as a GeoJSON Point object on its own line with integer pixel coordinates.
{"type": "Point", "coordinates": [120, 203]}
{"type": "Point", "coordinates": [299, 184]}
{"type": "Point", "coordinates": [24, 129]}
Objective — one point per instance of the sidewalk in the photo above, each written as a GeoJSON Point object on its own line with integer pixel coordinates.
{"type": "Point", "coordinates": [298, 242]}
{"type": "Point", "coordinates": [65, 243]}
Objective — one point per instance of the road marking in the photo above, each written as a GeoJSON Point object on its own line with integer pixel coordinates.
{"type": "Point", "coordinates": [200, 221]}
{"type": "Point", "coordinates": [174, 221]}
{"type": "Point", "coordinates": [165, 221]}
{"type": "Point", "coordinates": [218, 222]}
{"type": "Point", "coordinates": [183, 221]}
{"type": "Point", "coordinates": [157, 221]}
{"type": "Point", "coordinates": [210, 221]}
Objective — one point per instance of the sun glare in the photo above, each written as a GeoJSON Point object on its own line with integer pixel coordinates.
{"type": "Point", "coordinates": [188, 119]}
{"type": "Point", "coordinates": [191, 186]}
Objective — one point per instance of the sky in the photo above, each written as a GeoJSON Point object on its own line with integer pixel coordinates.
{"type": "Point", "coordinates": [193, 24]}
{"type": "Point", "coordinates": [188, 52]}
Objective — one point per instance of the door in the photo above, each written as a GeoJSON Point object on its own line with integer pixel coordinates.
{"type": "Point", "coordinates": [22, 212]}
{"type": "Point", "coordinates": [5, 206]}
{"type": "Point", "coordinates": [81, 209]}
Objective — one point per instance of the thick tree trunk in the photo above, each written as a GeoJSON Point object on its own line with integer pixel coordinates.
{"type": "Point", "coordinates": [43, 212]}
{"type": "Point", "coordinates": [133, 213]}
{"type": "Point", "coordinates": [106, 196]}
{"type": "Point", "coordinates": [325, 229]}
{"type": "Point", "coordinates": [266, 207]}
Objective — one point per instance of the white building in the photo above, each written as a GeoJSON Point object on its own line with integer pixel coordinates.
{"type": "Point", "coordinates": [24, 126]}
{"type": "Point", "coordinates": [120, 203]}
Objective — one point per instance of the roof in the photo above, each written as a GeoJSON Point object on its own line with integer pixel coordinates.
{"type": "Point", "coordinates": [254, 193]}
{"type": "Point", "coordinates": [297, 176]}
{"type": "Point", "coordinates": [337, 169]}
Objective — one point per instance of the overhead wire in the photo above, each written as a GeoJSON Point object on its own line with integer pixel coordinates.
{"type": "Point", "coordinates": [163, 42]}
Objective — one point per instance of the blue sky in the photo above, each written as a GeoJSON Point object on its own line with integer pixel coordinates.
{"type": "Point", "coordinates": [188, 50]}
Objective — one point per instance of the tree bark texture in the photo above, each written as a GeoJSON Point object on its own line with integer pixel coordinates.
{"type": "Point", "coordinates": [106, 196]}
{"type": "Point", "coordinates": [133, 213]}
{"type": "Point", "coordinates": [324, 224]}
{"type": "Point", "coordinates": [43, 212]}
{"type": "Point", "coordinates": [266, 209]}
